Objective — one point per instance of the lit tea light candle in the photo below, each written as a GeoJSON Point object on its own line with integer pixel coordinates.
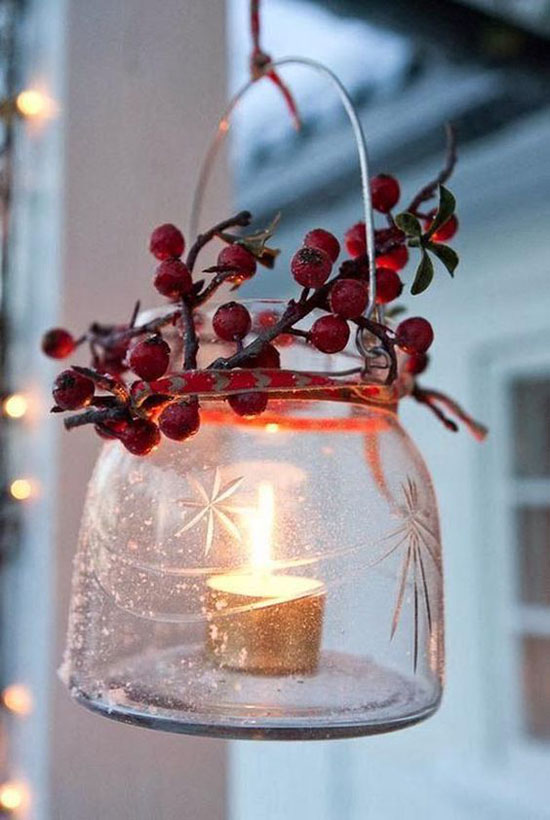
{"type": "Point", "coordinates": [261, 622]}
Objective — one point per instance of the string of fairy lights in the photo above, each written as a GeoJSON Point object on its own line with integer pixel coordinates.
{"type": "Point", "coordinates": [17, 104]}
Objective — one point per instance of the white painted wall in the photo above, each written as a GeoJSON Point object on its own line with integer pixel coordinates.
{"type": "Point", "coordinates": [140, 86]}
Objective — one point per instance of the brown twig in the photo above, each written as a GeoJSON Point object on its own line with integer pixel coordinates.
{"type": "Point", "coordinates": [295, 312]}
{"type": "Point", "coordinates": [429, 190]}
{"type": "Point", "coordinates": [105, 382]}
{"type": "Point", "coordinates": [242, 219]}
{"type": "Point", "coordinates": [108, 336]}
{"type": "Point", "coordinates": [189, 336]}
{"type": "Point", "coordinates": [425, 398]}
{"type": "Point", "coordinates": [430, 397]}
{"type": "Point", "coordinates": [94, 416]}
{"type": "Point", "coordinates": [213, 285]}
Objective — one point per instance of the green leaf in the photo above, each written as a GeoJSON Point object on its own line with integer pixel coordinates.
{"type": "Point", "coordinates": [409, 224]}
{"type": "Point", "coordinates": [394, 311]}
{"type": "Point", "coordinates": [424, 275]}
{"type": "Point", "coordinates": [445, 254]}
{"type": "Point", "coordinates": [447, 205]}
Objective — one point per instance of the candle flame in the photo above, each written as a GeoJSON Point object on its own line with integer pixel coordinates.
{"type": "Point", "coordinates": [261, 527]}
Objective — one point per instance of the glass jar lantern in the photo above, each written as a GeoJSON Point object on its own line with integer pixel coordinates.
{"type": "Point", "coordinates": [276, 577]}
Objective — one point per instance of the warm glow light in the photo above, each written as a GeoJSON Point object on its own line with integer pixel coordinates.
{"type": "Point", "coordinates": [21, 489]}
{"type": "Point", "coordinates": [33, 104]}
{"type": "Point", "coordinates": [12, 796]}
{"type": "Point", "coordinates": [272, 427]}
{"type": "Point", "coordinates": [261, 527]}
{"type": "Point", "coordinates": [15, 406]}
{"type": "Point", "coordinates": [17, 698]}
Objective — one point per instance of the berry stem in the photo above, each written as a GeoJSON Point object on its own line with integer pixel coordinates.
{"type": "Point", "coordinates": [213, 285]}
{"type": "Point", "coordinates": [189, 336]}
{"type": "Point", "coordinates": [104, 382]}
{"type": "Point", "coordinates": [430, 397]}
{"type": "Point", "coordinates": [429, 190]}
{"type": "Point", "coordinates": [242, 219]}
{"type": "Point", "coordinates": [106, 336]}
{"type": "Point", "coordinates": [424, 397]}
{"type": "Point", "coordinates": [135, 312]}
{"type": "Point", "coordinates": [95, 416]}
{"type": "Point", "coordinates": [295, 312]}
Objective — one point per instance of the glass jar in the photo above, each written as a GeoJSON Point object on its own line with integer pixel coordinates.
{"type": "Point", "coordinates": [274, 577]}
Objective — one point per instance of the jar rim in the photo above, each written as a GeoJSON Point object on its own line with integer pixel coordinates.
{"type": "Point", "coordinates": [343, 381]}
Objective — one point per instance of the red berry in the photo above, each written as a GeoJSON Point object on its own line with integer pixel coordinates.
{"type": "Point", "coordinates": [284, 340]}
{"type": "Point", "coordinates": [140, 437]}
{"type": "Point", "coordinates": [417, 363]}
{"type": "Point", "coordinates": [388, 286]}
{"type": "Point", "coordinates": [414, 335]}
{"type": "Point", "coordinates": [111, 428]}
{"type": "Point", "coordinates": [385, 193]}
{"type": "Point", "coordinates": [71, 390]}
{"type": "Point", "coordinates": [149, 359]}
{"type": "Point", "coordinates": [311, 267]}
{"type": "Point", "coordinates": [330, 333]}
{"type": "Point", "coordinates": [180, 420]}
{"type": "Point", "coordinates": [238, 257]}
{"type": "Point", "coordinates": [231, 321]}
{"type": "Point", "coordinates": [445, 231]}
{"type": "Point", "coordinates": [266, 319]}
{"type": "Point", "coordinates": [396, 259]}
{"type": "Point", "coordinates": [268, 357]}
{"type": "Point", "coordinates": [166, 242]}
{"type": "Point", "coordinates": [348, 298]}
{"type": "Point", "coordinates": [248, 404]}
{"type": "Point", "coordinates": [323, 241]}
{"type": "Point", "coordinates": [356, 240]}
{"type": "Point", "coordinates": [58, 343]}
{"type": "Point", "coordinates": [172, 279]}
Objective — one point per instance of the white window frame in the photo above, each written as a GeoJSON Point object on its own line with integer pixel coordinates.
{"type": "Point", "coordinates": [526, 357]}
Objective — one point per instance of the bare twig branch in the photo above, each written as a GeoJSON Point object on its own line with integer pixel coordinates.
{"type": "Point", "coordinates": [189, 336]}
{"type": "Point", "coordinates": [430, 190]}
{"type": "Point", "coordinates": [242, 219]}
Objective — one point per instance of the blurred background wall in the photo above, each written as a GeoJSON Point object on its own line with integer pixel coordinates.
{"type": "Point", "coordinates": [140, 85]}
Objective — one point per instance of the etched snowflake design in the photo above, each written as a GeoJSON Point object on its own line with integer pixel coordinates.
{"type": "Point", "coordinates": [419, 542]}
{"type": "Point", "coordinates": [213, 507]}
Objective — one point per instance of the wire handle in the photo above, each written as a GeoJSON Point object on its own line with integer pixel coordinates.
{"type": "Point", "coordinates": [361, 143]}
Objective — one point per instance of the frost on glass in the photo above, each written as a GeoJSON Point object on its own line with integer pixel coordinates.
{"type": "Point", "coordinates": [280, 577]}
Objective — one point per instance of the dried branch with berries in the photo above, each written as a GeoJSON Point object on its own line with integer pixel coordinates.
{"type": "Point", "coordinates": [127, 392]}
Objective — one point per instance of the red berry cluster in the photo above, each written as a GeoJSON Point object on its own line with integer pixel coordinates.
{"type": "Point", "coordinates": [148, 354]}
{"type": "Point", "coordinates": [340, 296]}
